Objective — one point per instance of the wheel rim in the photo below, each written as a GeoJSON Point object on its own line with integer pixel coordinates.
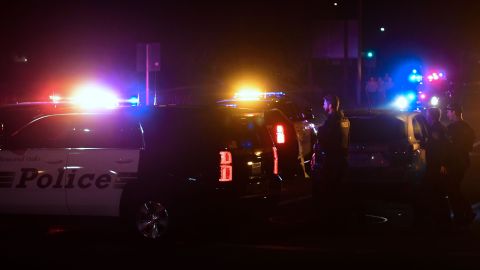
{"type": "Point", "coordinates": [152, 220]}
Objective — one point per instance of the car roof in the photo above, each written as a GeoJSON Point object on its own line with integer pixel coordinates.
{"type": "Point", "coordinates": [373, 113]}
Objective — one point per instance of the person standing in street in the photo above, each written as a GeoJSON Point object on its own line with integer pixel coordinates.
{"type": "Point", "coordinates": [330, 152]}
{"type": "Point", "coordinates": [462, 137]}
{"type": "Point", "coordinates": [431, 199]}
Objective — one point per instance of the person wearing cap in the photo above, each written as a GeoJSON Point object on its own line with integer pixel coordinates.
{"type": "Point", "coordinates": [330, 160]}
{"type": "Point", "coordinates": [462, 137]}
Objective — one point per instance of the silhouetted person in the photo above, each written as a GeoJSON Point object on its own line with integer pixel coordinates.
{"type": "Point", "coordinates": [462, 138]}
{"type": "Point", "coordinates": [431, 199]}
{"type": "Point", "coordinates": [331, 151]}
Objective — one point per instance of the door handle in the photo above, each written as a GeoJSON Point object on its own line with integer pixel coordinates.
{"type": "Point", "coordinates": [124, 161]}
{"type": "Point", "coordinates": [54, 161]}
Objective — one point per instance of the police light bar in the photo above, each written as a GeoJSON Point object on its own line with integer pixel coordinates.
{"type": "Point", "coordinates": [248, 93]}
{"type": "Point", "coordinates": [254, 93]}
{"type": "Point", "coordinates": [55, 98]}
{"type": "Point", "coordinates": [94, 96]}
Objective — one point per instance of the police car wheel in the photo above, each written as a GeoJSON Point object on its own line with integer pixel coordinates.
{"type": "Point", "coordinates": [152, 220]}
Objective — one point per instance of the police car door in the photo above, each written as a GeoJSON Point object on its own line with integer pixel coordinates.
{"type": "Point", "coordinates": [103, 160]}
{"type": "Point", "coordinates": [32, 168]}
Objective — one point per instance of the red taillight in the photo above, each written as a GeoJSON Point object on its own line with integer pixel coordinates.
{"type": "Point", "coordinates": [226, 170]}
{"type": "Point", "coordinates": [280, 131]}
{"type": "Point", "coordinates": [275, 161]}
{"type": "Point", "coordinates": [312, 162]}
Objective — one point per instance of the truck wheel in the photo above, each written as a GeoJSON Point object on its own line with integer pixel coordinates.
{"type": "Point", "coordinates": [151, 219]}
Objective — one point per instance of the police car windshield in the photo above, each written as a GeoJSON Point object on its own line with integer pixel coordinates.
{"type": "Point", "coordinates": [376, 129]}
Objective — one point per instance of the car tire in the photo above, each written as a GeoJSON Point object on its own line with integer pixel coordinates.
{"type": "Point", "coordinates": [150, 219]}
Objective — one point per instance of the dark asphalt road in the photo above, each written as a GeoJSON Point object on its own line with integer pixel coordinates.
{"type": "Point", "coordinates": [288, 238]}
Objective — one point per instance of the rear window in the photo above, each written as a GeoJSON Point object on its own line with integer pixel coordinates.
{"type": "Point", "coordinates": [175, 129]}
{"type": "Point", "coordinates": [244, 132]}
{"type": "Point", "coordinates": [375, 129]}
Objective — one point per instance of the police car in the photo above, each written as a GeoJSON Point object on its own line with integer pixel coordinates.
{"type": "Point", "coordinates": [291, 126]}
{"type": "Point", "coordinates": [147, 166]}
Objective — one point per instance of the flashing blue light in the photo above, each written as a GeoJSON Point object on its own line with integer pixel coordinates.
{"type": "Point", "coordinates": [401, 103]}
{"type": "Point", "coordinates": [415, 78]}
{"type": "Point", "coordinates": [134, 101]}
{"type": "Point", "coordinates": [412, 78]}
{"type": "Point", "coordinates": [275, 94]}
{"type": "Point", "coordinates": [414, 71]}
{"type": "Point", "coordinates": [411, 96]}
{"type": "Point", "coordinates": [370, 54]}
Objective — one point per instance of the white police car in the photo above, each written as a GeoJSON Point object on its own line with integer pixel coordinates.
{"type": "Point", "coordinates": [148, 166]}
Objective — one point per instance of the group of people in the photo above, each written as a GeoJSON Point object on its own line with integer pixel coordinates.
{"type": "Point", "coordinates": [378, 90]}
{"type": "Point", "coordinates": [447, 159]}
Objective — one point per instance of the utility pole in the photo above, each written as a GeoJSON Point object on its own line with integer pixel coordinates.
{"type": "Point", "coordinates": [147, 71]}
{"type": "Point", "coordinates": [345, 59]}
{"type": "Point", "coordinates": [148, 60]}
{"type": "Point", "coordinates": [359, 54]}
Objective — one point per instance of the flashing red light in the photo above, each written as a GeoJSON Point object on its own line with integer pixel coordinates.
{"type": "Point", "coordinates": [226, 168]}
{"type": "Point", "coordinates": [275, 160]}
{"type": "Point", "coordinates": [423, 96]}
{"type": "Point", "coordinates": [280, 134]}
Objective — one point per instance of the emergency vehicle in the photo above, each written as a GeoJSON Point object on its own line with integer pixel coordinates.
{"type": "Point", "coordinates": [294, 133]}
{"type": "Point", "coordinates": [147, 166]}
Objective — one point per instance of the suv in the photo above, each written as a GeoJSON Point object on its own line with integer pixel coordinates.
{"type": "Point", "coordinates": [386, 151]}
{"type": "Point", "coordinates": [149, 166]}
{"type": "Point", "coordinates": [293, 131]}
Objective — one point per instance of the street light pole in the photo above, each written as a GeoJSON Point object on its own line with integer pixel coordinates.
{"type": "Point", "coordinates": [147, 71]}
{"type": "Point", "coordinates": [359, 54]}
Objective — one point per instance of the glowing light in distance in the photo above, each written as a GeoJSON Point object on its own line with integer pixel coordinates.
{"type": "Point", "coordinates": [401, 102]}
{"type": "Point", "coordinates": [411, 96]}
{"type": "Point", "coordinates": [423, 96]}
{"type": "Point", "coordinates": [248, 93]}
{"type": "Point", "coordinates": [55, 98]}
{"type": "Point", "coordinates": [133, 100]}
{"type": "Point", "coordinates": [434, 101]}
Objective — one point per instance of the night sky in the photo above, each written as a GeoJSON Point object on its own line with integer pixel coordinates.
{"type": "Point", "coordinates": [208, 41]}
